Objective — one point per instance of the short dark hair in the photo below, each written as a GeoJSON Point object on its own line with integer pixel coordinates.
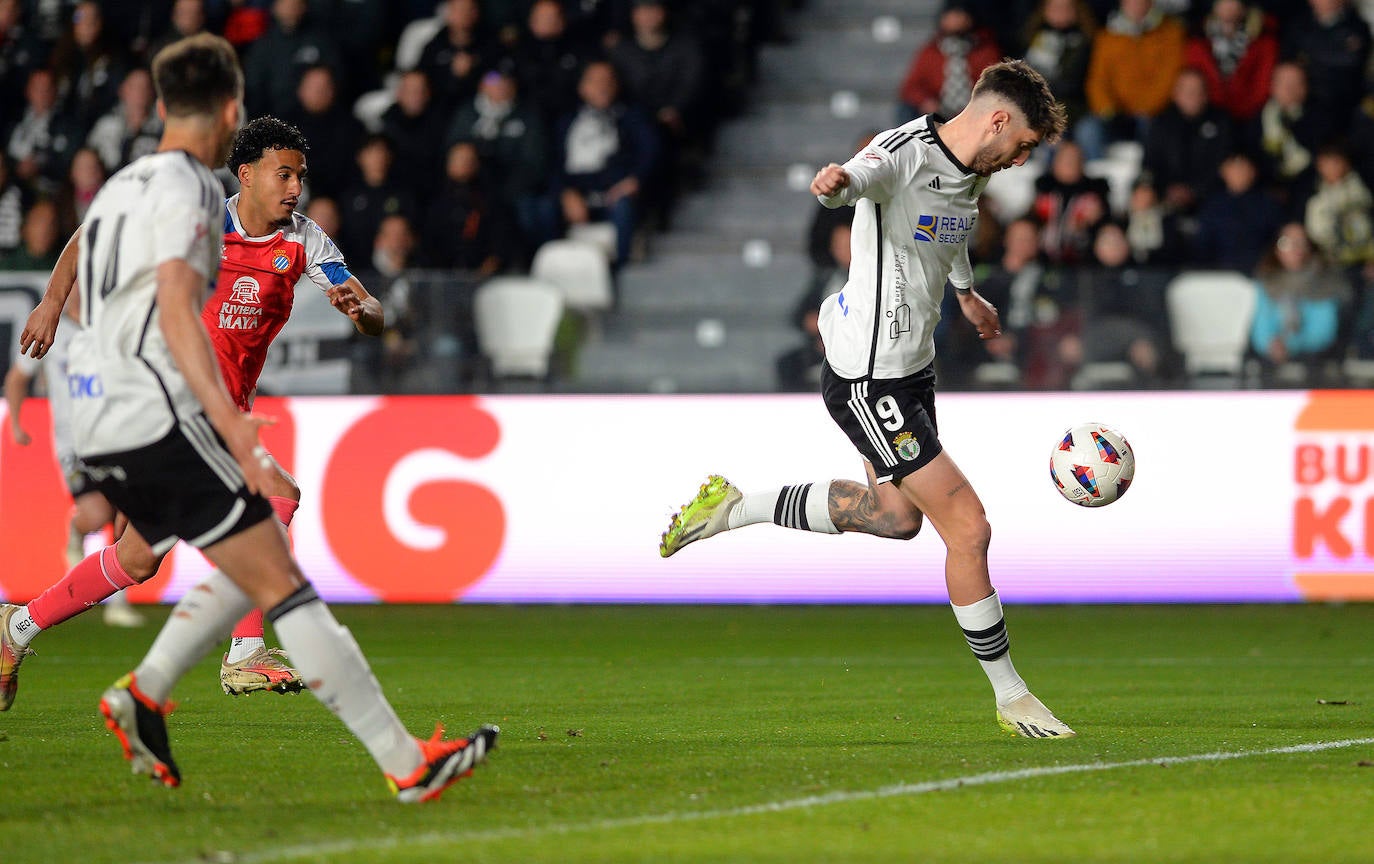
{"type": "Point", "coordinates": [1017, 82]}
{"type": "Point", "coordinates": [197, 75]}
{"type": "Point", "coordinates": [261, 135]}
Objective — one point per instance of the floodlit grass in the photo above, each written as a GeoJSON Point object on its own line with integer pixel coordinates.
{"type": "Point", "coordinates": [770, 734]}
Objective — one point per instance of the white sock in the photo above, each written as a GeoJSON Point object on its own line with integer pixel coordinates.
{"type": "Point", "coordinates": [802, 507]}
{"type": "Point", "coordinates": [199, 622]}
{"type": "Point", "coordinates": [333, 666]}
{"type": "Point", "coordinates": [241, 646]}
{"type": "Point", "coordinates": [23, 628]}
{"type": "Point", "coordinates": [986, 631]}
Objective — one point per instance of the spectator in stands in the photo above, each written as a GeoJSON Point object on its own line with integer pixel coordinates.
{"type": "Point", "coordinates": [549, 61]}
{"type": "Point", "coordinates": [324, 212]}
{"type": "Point", "coordinates": [514, 147]}
{"type": "Point", "coordinates": [1333, 45]}
{"type": "Point", "coordinates": [1152, 230]}
{"type": "Point", "coordinates": [379, 365]}
{"type": "Point", "coordinates": [130, 129]}
{"type": "Point", "coordinates": [43, 141]}
{"type": "Point", "coordinates": [89, 65]}
{"type": "Point", "coordinates": [1361, 140]}
{"type": "Point", "coordinates": [416, 129]}
{"type": "Point", "coordinates": [242, 22]}
{"type": "Point", "coordinates": [457, 56]}
{"type": "Point", "coordinates": [660, 70]}
{"type": "Point", "coordinates": [1016, 284]}
{"type": "Point", "coordinates": [1338, 215]}
{"type": "Point", "coordinates": [942, 73]}
{"type": "Point", "coordinates": [13, 204]}
{"type": "Point", "coordinates": [1134, 62]}
{"type": "Point", "coordinates": [819, 235]}
{"type": "Point", "coordinates": [603, 154]}
{"type": "Point", "coordinates": [1235, 51]}
{"type": "Point", "coordinates": [1186, 144]}
{"type": "Point", "coordinates": [274, 64]}
{"type": "Point", "coordinates": [1237, 223]}
{"type": "Point", "coordinates": [362, 28]}
{"type": "Point", "coordinates": [21, 52]}
{"type": "Point", "coordinates": [467, 225]}
{"type": "Point", "coordinates": [41, 240]}
{"type": "Point", "coordinates": [1059, 40]}
{"type": "Point", "coordinates": [1070, 205]}
{"type": "Point", "coordinates": [1287, 132]}
{"type": "Point", "coordinates": [799, 369]}
{"type": "Point", "coordinates": [1300, 302]}
{"type": "Point", "coordinates": [372, 197]}
{"type": "Point", "coordinates": [1124, 313]}
{"type": "Point", "coordinates": [187, 19]}
{"type": "Point", "coordinates": [318, 113]}
{"type": "Point", "coordinates": [84, 178]}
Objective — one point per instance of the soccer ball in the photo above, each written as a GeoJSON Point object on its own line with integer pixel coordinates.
{"type": "Point", "coordinates": [1092, 465]}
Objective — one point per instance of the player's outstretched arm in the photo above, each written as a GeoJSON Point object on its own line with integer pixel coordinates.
{"type": "Point", "coordinates": [41, 327]}
{"type": "Point", "coordinates": [179, 289]}
{"type": "Point", "coordinates": [352, 299]}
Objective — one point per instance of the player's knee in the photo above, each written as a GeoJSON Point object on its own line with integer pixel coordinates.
{"type": "Point", "coordinates": [285, 486]}
{"type": "Point", "coordinates": [974, 535]}
{"type": "Point", "coordinates": [907, 527]}
{"type": "Point", "coordinates": [140, 562]}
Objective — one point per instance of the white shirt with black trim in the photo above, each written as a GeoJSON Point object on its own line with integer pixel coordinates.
{"type": "Point", "coordinates": [126, 390]}
{"type": "Point", "coordinates": [916, 205]}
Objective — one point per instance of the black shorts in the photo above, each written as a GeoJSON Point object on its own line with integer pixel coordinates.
{"type": "Point", "coordinates": [890, 420]}
{"type": "Point", "coordinates": [186, 486]}
{"type": "Point", "coordinates": [79, 481]}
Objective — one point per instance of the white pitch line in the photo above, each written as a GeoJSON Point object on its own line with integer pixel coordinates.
{"type": "Point", "coordinates": [897, 791]}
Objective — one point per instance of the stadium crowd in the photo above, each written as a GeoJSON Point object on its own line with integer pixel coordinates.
{"type": "Point", "coordinates": [503, 122]}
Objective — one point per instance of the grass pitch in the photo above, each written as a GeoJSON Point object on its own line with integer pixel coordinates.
{"type": "Point", "coordinates": [759, 734]}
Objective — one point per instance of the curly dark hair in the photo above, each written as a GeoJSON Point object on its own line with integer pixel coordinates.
{"type": "Point", "coordinates": [261, 135]}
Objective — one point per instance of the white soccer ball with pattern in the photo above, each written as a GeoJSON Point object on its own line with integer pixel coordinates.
{"type": "Point", "coordinates": [1092, 465]}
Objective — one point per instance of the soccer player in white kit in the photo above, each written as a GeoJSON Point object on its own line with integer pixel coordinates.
{"type": "Point", "coordinates": [915, 192]}
{"type": "Point", "coordinates": [156, 427]}
{"type": "Point", "coordinates": [90, 511]}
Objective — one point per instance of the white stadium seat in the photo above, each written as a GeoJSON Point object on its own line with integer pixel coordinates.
{"type": "Point", "coordinates": [516, 318]}
{"type": "Point", "coordinates": [310, 356]}
{"type": "Point", "coordinates": [1210, 313]}
{"type": "Point", "coordinates": [580, 270]}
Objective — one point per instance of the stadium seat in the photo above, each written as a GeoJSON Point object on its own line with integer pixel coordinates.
{"type": "Point", "coordinates": [1210, 313]}
{"type": "Point", "coordinates": [599, 234]}
{"type": "Point", "coordinates": [310, 356]}
{"type": "Point", "coordinates": [415, 37]}
{"type": "Point", "coordinates": [370, 106]}
{"type": "Point", "coordinates": [579, 269]}
{"type": "Point", "coordinates": [516, 318]}
{"type": "Point", "coordinates": [1011, 193]}
{"type": "Point", "coordinates": [1103, 374]}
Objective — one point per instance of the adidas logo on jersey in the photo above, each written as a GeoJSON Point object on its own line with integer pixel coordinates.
{"type": "Point", "coordinates": [934, 184]}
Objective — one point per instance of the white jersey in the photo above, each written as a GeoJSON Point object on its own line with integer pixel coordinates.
{"type": "Point", "coordinates": [915, 207]}
{"type": "Point", "coordinates": [53, 365]}
{"type": "Point", "coordinates": [126, 390]}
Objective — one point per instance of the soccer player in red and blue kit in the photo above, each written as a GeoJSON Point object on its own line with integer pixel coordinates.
{"type": "Point", "coordinates": [269, 250]}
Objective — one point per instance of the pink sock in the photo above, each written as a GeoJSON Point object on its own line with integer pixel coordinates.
{"type": "Point", "coordinates": [98, 576]}
{"type": "Point", "coordinates": [284, 507]}
{"type": "Point", "coordinates": [251, 625]}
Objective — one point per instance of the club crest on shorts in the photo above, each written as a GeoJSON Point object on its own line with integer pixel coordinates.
{"type": "Point", "coordinates": [906, 446]}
